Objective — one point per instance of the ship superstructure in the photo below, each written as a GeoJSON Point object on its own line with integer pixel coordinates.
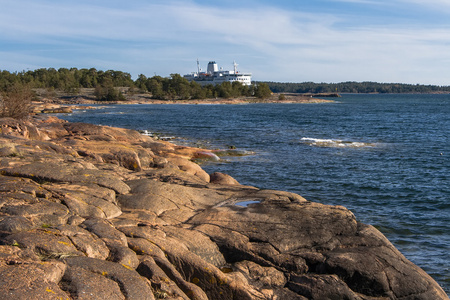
{"type": "Point", "coordinates": [215, 76]}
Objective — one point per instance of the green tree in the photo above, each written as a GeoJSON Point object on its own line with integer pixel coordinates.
{"type": "Point", "coordinates": [224, 90]}
{"type": "Point", "coordinates": [155, 87]}
{"type": "Point", "coordinates": [178, 87]}
{"type": "Point", "coordinates": [262, 91]}
{"type": "Point", "coordinates": [107, 92]}
{"type": "Point", "coordinates": [140, 82]}
{"type": "Point", "coordinates": [238, 89]}
{"type": "Point", "coordinates": [197, 91]}
{"type": "Point", "coordinates": [210, 91]}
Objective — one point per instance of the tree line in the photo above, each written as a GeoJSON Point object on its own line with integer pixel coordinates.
{"type": "Point", "coordinates": [106, 84]}
{"type": "Point", "coordinates": [178, 87]}
{"type": "Point", "coordinates": [67, 80]}
{"type": "Point", "coordinates": [355, 87]}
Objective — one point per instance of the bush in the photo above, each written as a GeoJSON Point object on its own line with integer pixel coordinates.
{"type": "Point", "coordinates": [15, 101]}
{"type": "Point", "coordinates": [263, 91]}
{"type": "Point", "coordinates": [108, 92]}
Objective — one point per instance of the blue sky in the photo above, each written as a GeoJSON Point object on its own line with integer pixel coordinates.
{"type": "Point", "coordinates": [405, 41]}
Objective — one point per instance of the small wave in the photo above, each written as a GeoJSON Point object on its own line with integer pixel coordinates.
{"type": "Point", "coordinates": [331, 143]}
{"type": "Point", "coordinates": [156, 136]}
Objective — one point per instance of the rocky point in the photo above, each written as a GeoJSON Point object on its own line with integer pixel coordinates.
{"type": "Point", "coordinates": [95, 212]}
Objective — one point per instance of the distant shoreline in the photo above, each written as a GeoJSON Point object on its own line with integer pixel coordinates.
{"type": "Point", "coordinates": [86, 97]}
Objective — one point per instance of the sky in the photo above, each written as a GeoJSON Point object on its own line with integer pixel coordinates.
{"type": "Point", "coordinates": [401, 41]}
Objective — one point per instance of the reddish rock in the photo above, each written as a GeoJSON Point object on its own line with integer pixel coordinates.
{"type": "Point", "coordinates": [90, 211]}
{"type": "Point", "coordinates": [32, 281]}
{"type": "Point", "coordinates": [189, 167]}
{"type": "Point", "coordinates": [132, 285]}
{"type": "Point", "coordinates": [221, 178]}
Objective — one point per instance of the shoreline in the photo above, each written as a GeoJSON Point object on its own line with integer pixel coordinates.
{"type": "Point", "coordinates": [90, 208]}
{"type": "Point", "coordinates": [86, 96]}
{"type": "Point", "coordinates": [67, 105]}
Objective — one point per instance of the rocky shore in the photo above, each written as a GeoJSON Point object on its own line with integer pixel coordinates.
{"type": "Point", "coordinates": [95, 212]}
{"type": "Point", "coordinates": [86, 97]}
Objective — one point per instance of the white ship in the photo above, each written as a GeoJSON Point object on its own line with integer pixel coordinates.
{"type": "Point", "coordinates": [215, 76]}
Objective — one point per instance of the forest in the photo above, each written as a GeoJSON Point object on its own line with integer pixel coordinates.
{"type": "Point", "coordinates": [355, 87]}
{"type": "Point", "coordinates": [106, 84]}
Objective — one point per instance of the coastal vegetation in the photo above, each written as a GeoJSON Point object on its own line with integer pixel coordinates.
{"type": "Point", "coordinates": [17, 89]}
{"type": "Point", "coordinates": [15, 100]}
{"type": "Point", "coordinates": [354, 87]}
{"type": "Point", "coordinates": [107, 84]}
{"type": "Point", "coordinates": [177, 87]}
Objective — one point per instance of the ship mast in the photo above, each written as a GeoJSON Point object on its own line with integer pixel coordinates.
{"type": "Point", "coordinates": [235, 66]}
{"type": "Point", "coordinates": [198, 67]}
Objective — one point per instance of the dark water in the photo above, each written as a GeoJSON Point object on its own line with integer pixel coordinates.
{"type": "Point", "coordinates": [385, 157]}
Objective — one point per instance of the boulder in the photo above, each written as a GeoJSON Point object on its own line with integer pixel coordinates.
{"type": "Point", "coordinates": [189, 167]}
{"type": "Point", "coordinates": [221, 178]}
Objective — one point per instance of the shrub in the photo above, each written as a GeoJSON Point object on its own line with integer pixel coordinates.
{"type": "Point", "coordinates": [15, 101]}
{"type": "Point", "coordinates": [107, 92]}
{"type": "Point", "coordinates": [262, 91]}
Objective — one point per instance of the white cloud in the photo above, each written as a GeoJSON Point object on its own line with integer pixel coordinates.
{"type": "Point", "coordinates": [371, 2]}
{"type": "Point", "coordinates": [273, 43]}
{"type": "Point", "coordinates": [433, 4]}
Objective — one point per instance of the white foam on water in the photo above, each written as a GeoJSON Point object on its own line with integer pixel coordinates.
{"type": "Point", "coordinates": [335, 143]}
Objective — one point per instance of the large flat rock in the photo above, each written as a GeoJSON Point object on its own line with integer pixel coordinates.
{"type": "Point", "coordinates": [95, 212]}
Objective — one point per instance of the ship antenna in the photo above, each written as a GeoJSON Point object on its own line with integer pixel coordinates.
{"type": "Point", "coordinates": [235, 66]}
{"type": "Point", "coordinates": [198, 67]}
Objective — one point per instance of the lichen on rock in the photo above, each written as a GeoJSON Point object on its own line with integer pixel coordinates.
{"type": "Point", "coordinates": [96, 212]}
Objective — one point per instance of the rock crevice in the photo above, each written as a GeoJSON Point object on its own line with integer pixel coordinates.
{"type": "Point", "coordinates": [96, 212]}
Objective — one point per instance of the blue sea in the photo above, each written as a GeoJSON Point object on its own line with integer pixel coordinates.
{"type": "Point", "coordinates": [384, 157]}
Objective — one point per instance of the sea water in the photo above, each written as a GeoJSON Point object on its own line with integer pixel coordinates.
{"type": "Point", "coordinates": [384, 157]}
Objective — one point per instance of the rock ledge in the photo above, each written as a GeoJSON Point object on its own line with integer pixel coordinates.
{"type": "Point", "coordinates": [95, 212]}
